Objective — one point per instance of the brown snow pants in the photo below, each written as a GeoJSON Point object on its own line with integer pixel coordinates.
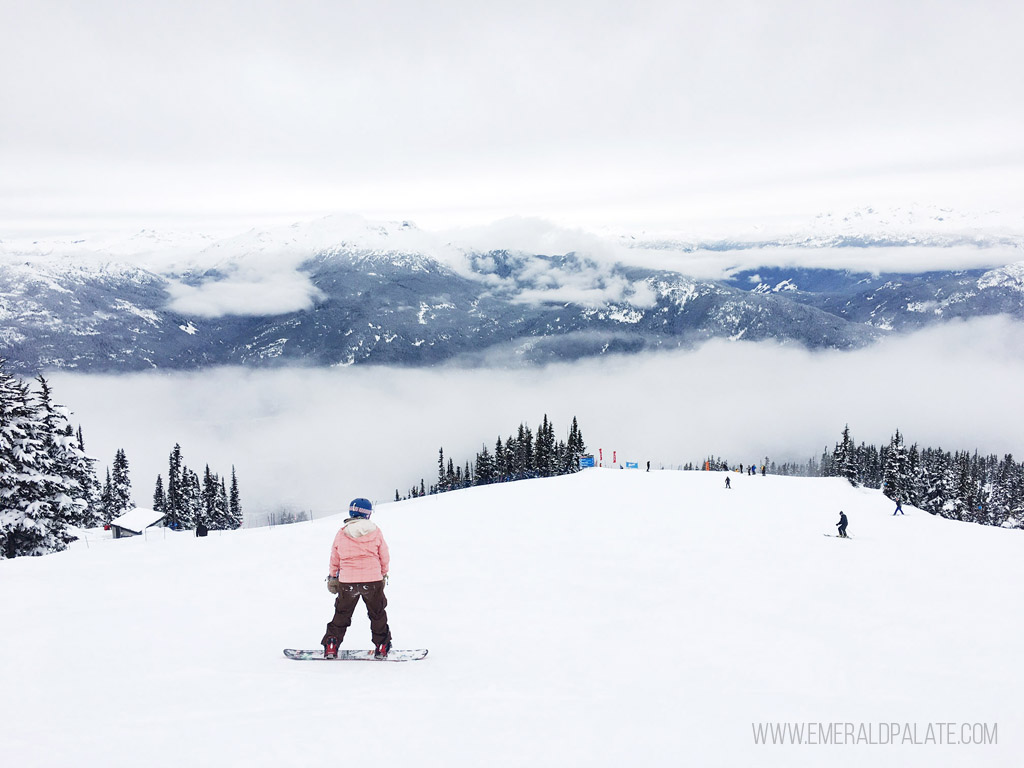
{"type": "Point", "coordinates": [372, 593]}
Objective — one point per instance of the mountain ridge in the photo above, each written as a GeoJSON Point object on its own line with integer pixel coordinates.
{"type": "Point", "coordinates": [344, 292]}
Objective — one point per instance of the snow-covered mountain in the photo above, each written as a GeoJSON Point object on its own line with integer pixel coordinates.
{"type": "Point", "coordinates": [341, 291]}
{"type": "Point", "coordinates": [923, 226]}
{"type": "Point", "coordinates": [630, 617]}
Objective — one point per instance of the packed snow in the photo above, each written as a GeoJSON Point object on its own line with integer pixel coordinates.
{"type": "Point", "coordinates": [608, 618]}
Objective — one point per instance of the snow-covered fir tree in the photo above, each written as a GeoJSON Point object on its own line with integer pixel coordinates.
{"type": "Point", "coordinates": [484, 468]}
{"type": "Point", "coordinates": [159, 497]}
{"type": "Point", "coordinates": [85, 473]}
{"type": "Point", "coordinates": [120, 485]}
{"type": "Point", "coordinates": [175, 492]}
{"type": "Point", "coordinates": [575, 443]}
{"type": "Point", "coordinates": [1005, 498]}
{"type": "Point", "coordinates": [107, 500]}
{"type": "Point", "coordinates": [500, 461]}
{"type": "Point", "coordinates": [208, 494]}
{"type": "Point", "coordinates": [844, 459]}
{"type": "Point", "coordinates": [221, 505]}
{"type": "Point", "coordinates": [72, 473]}
{"type": "Point", "coordinates": [896, 480]}
{"type": "Point", "coordinates": [544, 449]}
{"type": "Point", "coordinates": [191, 511]}
{"type": "Point", "coordinates": [234, 502]}
{"type": "Point", "coordinates": [442, 483]}
{"type": "Point", "coordinates": [216, 508]}
{"type": "Point", "coordinates": [35, 503]}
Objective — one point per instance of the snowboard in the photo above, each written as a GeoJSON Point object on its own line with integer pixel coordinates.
{"type": "Point", "coordinates": [837, 536]}
{"type": "Point", "coordinates": [354, 655]}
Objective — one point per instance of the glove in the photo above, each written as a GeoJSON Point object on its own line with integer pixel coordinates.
{"type": "Point", "coordinates": [385, 579]}
{"type": "Point", "coordinates": [332, 584]}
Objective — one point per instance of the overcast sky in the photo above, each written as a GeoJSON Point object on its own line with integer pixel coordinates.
{"type": "Point", "coordinates": [220, 114]}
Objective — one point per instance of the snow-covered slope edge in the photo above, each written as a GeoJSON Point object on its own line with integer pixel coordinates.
{"type": "Point", "coordinates": [604, 618]}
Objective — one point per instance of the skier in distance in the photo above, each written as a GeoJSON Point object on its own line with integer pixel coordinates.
{"type": "Point", "coordinates": [842, 524]}
{"type": "Point", "coordinates": [358, 569]}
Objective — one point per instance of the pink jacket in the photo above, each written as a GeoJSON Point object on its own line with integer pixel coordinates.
{"type": "Point", "coordinates": [359, 553]}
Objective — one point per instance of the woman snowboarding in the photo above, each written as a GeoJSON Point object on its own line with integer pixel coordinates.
{"type": "Point", "coordinates": [358, 568]}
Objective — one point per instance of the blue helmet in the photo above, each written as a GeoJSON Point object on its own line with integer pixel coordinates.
{"type": "Point", "coordinates": [360, 508]}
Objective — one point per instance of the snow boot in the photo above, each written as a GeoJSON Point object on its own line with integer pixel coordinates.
{"type": "Point", "coordinates": [331, 648]}
{"type": "Point", "coordinates": [382, 650]}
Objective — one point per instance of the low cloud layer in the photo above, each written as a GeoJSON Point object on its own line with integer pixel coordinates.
{"type": "Point", "coordinates": [274, 293]}
{"type": "Point", "coordinates": [313, 439]}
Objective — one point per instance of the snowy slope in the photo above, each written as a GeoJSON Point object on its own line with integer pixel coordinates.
{"type": "Point", "coordinates": [601, 619]}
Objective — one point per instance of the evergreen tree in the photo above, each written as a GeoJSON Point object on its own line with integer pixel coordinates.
{"type": "Point", "coordinates": [175, 490]}
{"type": "Point", "coordinates": [159, 497]}
{"type": "Point", "coordinates": [1005, 492]}
{"type": "Point", "coordinates": [811, 470]}
{"type": "Point", "coordinates": [90, 482]}
{"type": "Point", "coordinates": [208, 494]}
{"type": "Point", "coordinates": [934, 469]}
{"type": "Point", "coordinates": [500, 462]}
{"type": "Point", "coordinates": [71, 474]}
{"type": "Point", "coordinates": [543, 449]}
{"type": "Point", "coordinates": [34, 505]}
{"type": "Point", "coordinates": [957, 482]}
{"type": "Point", "coordinates": [107, 500]}
{"type": "Point", "coordinates": [844, 458]}
{"type": "Point", "coordinates": [872, 466]}
{"type": "Point", "coordinates": [222, 507]}
{"type": "Point", "coordinates": [896, 480]}
{"type": "Point", "coordinates": [484, 467]}
{"type": "Point", "coordinates": [191, 499]}
{"type": "Point", "coordinates": [524, 465]}
{"type": "Point", "coordinates": [827, 469]}
{"type": "Point", "coordinates": [915, 477]}
{"type": "Point", "coordinates": [576, 446]}
{"type": "Point", "coordinates": [235, 517]}
{"type": "Point", "coordinates": [121, 485]}
{"type": "Point", "coordinates": [969, 491]}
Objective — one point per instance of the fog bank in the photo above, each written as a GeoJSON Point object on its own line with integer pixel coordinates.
{"type": "Point", "coordinates": [311, 439]}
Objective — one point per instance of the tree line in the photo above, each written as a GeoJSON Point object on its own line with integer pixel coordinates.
{"type": "Point", "coordinates": [522, 455]}
{"type": "Point", "coordinates": [49, 485]}
{"type": "Point", "coordinates": [959, 485]}
{"type": "Point", "coordinates": [190, 503]}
